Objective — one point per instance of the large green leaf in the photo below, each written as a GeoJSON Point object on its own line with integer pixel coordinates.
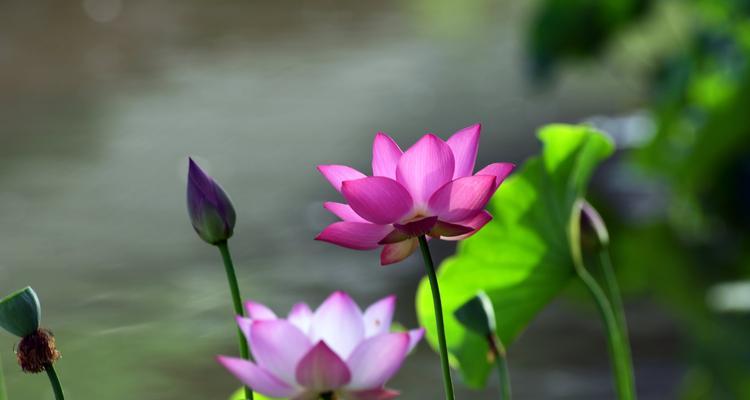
{"type": "Point", "coordinates": [521, 259]}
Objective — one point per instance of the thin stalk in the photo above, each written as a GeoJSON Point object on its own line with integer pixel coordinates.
{"type": "Point", "coordinates": [432, 276]}
{"type": "Point", "coordinates": [502, 366]}
{"type": "Point", "coordinates": [3, 394]}
{"type": "Point", "coordinates": [54, 380]}
{"type": "Point", "coordinates": [610, 279]}
{"type": "Point", "coordinates": [234, 289]}
{"type": "Point", "coordinates": [617, 342]}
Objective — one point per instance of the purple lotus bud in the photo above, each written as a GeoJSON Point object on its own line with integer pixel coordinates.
{"type": "Point", "coordinates": [211, 211]}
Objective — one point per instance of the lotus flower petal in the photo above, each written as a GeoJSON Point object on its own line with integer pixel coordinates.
{"type": "Point", "coordinates": [379, 315]}
{"type": "Point", "coordinates": [415, 335]}
{"type": "Point", "coordinates": [499, 170]}
{"type": "Point", "coordinates": [393, 253]}
{"type": "Point", "coordinates": [374, 394]}
{"type": "Point", "coordinates": [385, 156]}
{"type": "Point", "coordinates": [301, 317]}
{"type": "Point", "coordinates": [278, 346]}
{"type": "Point", "coordinates": [376, 359]}
{"type": "Point", "coordinates": [354, 235]}
{"type": "Point", "coordinates": [378, 199]}
{"type": "Point", "coordinates": [463, 198]}
{"type": "Point", "coordinates": [336, 174]}
{"type": "Point", "coordinates": [338, 321]}
{"type": "Point", "coordinates": [256, 377]}
{"type": "Point", "coordinates": [322, 370]}
{"type": "Point", "coordinates": [476, 223]}
{"type": "Point", "coordinates": [257, 311]}
{"type": "Point", "coordinates": [425, 167]}
{"type": "Point", "coordinates": [464, 145]}
{"type": "Point", "coordinates": [343, 211]}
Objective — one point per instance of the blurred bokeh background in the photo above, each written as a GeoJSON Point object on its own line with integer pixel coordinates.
{"type": "Point", "coordinates": [101, 102]}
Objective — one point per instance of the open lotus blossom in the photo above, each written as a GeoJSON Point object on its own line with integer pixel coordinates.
{"type": "Point", "coordinates": [336, 352]}
{"type": "Point", "coordinates": [428, 190]}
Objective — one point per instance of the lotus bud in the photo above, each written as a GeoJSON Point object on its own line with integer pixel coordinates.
{"type": "Point", "coordinates": [211, 212]}
{"type": "Point", "coordinates": [20, 312]}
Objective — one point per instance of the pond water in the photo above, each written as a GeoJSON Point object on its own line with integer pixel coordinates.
{"type": "Point", "coordinates": [103, 100]}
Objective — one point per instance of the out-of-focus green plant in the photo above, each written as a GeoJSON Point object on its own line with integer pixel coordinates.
{"type": "Point", "coordinates": [696, 239]}
{"type": "Point", "coordinates": [240, 395]}
{"type": "Point", "coordinates": [521, 259]}
{"type": "Point", "coordinates": [3, 393]}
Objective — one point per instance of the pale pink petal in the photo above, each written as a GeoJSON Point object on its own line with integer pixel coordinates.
{"type": "Point", "coordinates": [379, 315]}
{"type": "Point", "coordinates": [376, 360]}
{"type": "Point", "coordinates": [301, 317]}
{"type": "Point", "coordinates": [258, 311]}
{"type": "Point", "coordinates": [393, 253]}
{"type": "Point", "coordinates": [343, 211]}
{"type": "Point", "coordinates": [463, 198]}
{"type": "Point", "coordinates": [322, 370]}
{"type": "Point", "coordinates": [336, 174]}
{"type": "Point", "coordinates": [447, 229]}
{"type": "Point", "coordinates": [244, 324]}
{"type": "Point", "coordinates": [415, 335]}
{"type": "Point", "coordinates": [476, 223]}
{"type": "Point", "coordinates": [425, 167]}
{"type": "Point", "coordinates": [385, 156]}
{"type": "Point", "coordinates": [378, 199]}
{"type": "Point", "coordinates": [464, 144]}
{"type": "Point", "coordinates": [373, 394]}
{"type": "Point", "coordinates": [278, 346]}
{"type": "Point", "coordinates": [338, 321]}
{"type": "Point", "coordinates": [354, 235]}
{"type": "Point", "coordinates": [499, 170]}
{"type": "Point", "coordinates": [257, 378]}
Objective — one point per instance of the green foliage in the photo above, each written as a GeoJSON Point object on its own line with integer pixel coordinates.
{"type": "Point", "coordinates": [522, 258]}
{"type": "Point", "coordinates": [20, 312]}
{"type": "Point", "coordinates": [565, 29]}
{"type": "Point", "coordinates": [240, 395]}
{"type": "Point", "coordinates": [477, 315]}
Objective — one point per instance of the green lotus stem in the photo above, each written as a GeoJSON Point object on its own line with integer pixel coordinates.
{"type": "Point", "coordinates": [234, 288]}
{"type": "Point", "coordinates": [3, 394]}
{"type": "Point", "coordinates": [432, 276]}
{"type": "Point", "coordinates": [502, 365]}
{"type": "Point", "coordinates": [610, 279]}
{"type": "Point", "coordinates": [54, 380]}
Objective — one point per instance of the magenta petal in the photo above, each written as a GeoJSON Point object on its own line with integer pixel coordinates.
{"type": "Point", "coordinates": [278, 346]}
{"type": "Point", "coordinates": [379, 315]}
{"type": "Point", "coordinates": [354, 235]}
{"type": "Point", "coordinates": [393, 253]}
{"type": "Point", "coordinates": [257, 311]}
{"type": "Point", "coordinates": [336, 174]}
{"type": "Point", "coordinates": [244, 325]}
{"type": "Point", "coordinates": [446, 229]}
{"type": "Point", "coordinates": [385, 156]}
{"type": "Point", "coordinates": [374, 394]}
{"type": "Point", "coordinates": [256, 377]}
{"type": "Point", "coordinates": [301, 317]}
{"type": "Point", "coordinates": [378, 199]}
{"type": "Point", "coordinates": [464, 145]}
{"type": "Point", "coordinates": [417, 228]}
{"type": "Point", "coordinates": [376, 360]}
{"type": "Point", "coordinates": [463, 198]}
{"type": "Point", "coordinates": [338, 321]}
{"type": "Point", "coordinates": [499, 170]}
{"type": "Point", "coordinates": [394, 237]}
{"type": "Point", "coordinates": [425, 167]}
{"type": "Point", "coordinates": [343, 211]}
{"type": "Point", "coordinates": [415, 335]}
{"type": "Point", "coordinates": [476, 223]}
{"type": "Point", "coordinates": [322, 369]}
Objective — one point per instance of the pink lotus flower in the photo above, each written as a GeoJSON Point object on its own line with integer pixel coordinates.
{"type": "Point", "coordinates": [337, 351]}
{"type": "Point", "coordinates": [427, 190]}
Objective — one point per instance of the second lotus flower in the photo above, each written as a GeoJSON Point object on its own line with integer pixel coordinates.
{"type": "Point", "coordinates": [428, 190]}
{"type": "Point", "coordinates": [336, 352]}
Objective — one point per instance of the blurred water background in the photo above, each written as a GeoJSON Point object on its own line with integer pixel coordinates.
{"type": "Point", "coordinates": [101, 102]}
